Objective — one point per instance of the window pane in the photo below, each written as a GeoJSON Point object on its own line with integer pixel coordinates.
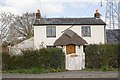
{"type": "Point", "coordinates": [86, 31]}
{"type": "Point", "coordinates": [51, 31]}
{"type": "Point", "coordinates": [48, 31]}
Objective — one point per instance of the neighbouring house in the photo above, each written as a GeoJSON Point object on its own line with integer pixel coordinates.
{"type": "Point", "coordinates": [24, 45]}
{"type": "Point", "coordinates": [113, 36]}
{"type": "Point", "coordinates": [70, 34]}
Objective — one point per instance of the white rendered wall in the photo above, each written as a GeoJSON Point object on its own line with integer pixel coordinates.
{"type": "Point", "coordinates": [97, 34]}
{"type": "Point", "coordinates": [26, 44]}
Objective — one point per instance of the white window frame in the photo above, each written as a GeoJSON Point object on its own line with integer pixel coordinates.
{"type": "Point", "coordinates": [52, 32]}
{"type": "Point", "coordinates": [86, 31]}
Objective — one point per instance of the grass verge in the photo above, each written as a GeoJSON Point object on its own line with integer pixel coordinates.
{"type": "Point", "coordinates": [34, 70]}
{"type": "Point", "coordinates": [101, 69]}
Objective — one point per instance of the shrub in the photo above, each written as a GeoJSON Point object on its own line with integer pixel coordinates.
{"type": "Point", "coordinates": [102, 56]}
{"type": "Point", "coordinates": [43, 58]}
{"type": "Point", "coordinates": [57, 58]}
{"type": "Point", "coordinates": [6, 60]}
{"type": "Point", "coordinates": [93, 56]}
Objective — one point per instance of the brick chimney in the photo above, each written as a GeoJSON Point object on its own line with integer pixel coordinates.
{"type": "Point", "coordinates": [97, 14]}
{"type": "Point", "coordinates": [38, 15]}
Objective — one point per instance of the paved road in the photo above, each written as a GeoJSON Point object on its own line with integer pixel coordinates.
{"type": "Point", "coordinates": [67, 74]}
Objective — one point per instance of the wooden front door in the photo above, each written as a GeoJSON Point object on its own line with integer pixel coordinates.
{"type": "Point", "coordinates": [70, 49]}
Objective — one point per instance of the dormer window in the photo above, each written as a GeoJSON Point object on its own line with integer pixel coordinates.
{"type": "Point", "coordinates": [50, 31]}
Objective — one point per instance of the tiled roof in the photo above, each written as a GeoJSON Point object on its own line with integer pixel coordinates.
{"type": "Point", "coordinates": [75, 21]}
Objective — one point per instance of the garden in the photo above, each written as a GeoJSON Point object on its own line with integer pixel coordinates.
{"type": "Point", "coordinates": [104, 57]}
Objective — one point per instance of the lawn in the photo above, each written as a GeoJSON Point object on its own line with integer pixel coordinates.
{"type": "Point", "coordinates": [34, 70]}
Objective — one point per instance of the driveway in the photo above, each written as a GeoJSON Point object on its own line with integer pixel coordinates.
{"type": "Point", "coordinates": [67, 74]}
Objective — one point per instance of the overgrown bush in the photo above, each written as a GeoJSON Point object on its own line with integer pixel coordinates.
{"type": "Point", "coordinates": [99, 56]}
{"type": "Point", "coordinates": [45, 58]}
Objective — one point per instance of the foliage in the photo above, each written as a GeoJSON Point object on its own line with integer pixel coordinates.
{"type": "Point", "coordinates": [53, 58]}
{"type": "Point", "coordinates": [102, 56]}
{"type": "Point", "coordinates": [33, 70]}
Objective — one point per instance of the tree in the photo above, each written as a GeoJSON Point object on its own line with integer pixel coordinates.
{"type": "Point", "coordinates": [24, 25]}
{"type": "Point", "coordinates": [6, 18]}
{"type": "Point", "coordinates": [21, 28]}
{"type": "Point", "coordinates": [13, 27]}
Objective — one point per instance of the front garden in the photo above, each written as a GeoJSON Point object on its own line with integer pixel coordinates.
{"type": "Point", "coordinates": [34, 61]}
{"type": "Point", "coordinates": [102, 57]}
{"type": "Point", "coordinates": [98, 57]}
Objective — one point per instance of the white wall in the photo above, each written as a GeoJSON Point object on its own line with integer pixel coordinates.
{"type": "Point", "coordinates": [97, 34]}
{"type": "Point", "coordinates": [26, 44]}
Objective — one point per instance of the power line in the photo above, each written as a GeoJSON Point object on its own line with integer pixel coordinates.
{"type": "Point", "coordinates": [111, 17]}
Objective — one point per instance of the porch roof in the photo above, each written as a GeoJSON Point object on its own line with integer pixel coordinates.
{"type": "Point", "coordinates": [69, 37]}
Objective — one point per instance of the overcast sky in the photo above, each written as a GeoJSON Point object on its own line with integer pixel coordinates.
{"type": "Point", "coordinates": [54, 8]}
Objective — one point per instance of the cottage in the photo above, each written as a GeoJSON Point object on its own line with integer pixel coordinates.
{"type": "Point", "coordinates": [70, 34]}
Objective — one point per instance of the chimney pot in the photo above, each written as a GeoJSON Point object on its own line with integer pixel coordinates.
{"type": "Point", "coordinates": [38, 15]}
{"type": "Point", "coordinates": [97, 14]}
{"type": "Point", "coordinates": [38, 11]}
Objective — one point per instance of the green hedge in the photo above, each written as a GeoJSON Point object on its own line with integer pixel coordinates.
{"type": "Point", "coordinates": [101, 56]}
{"type": "Point", "coordinates": [96, 56]}
{"type": "Point", "coordinates": [44, 58]}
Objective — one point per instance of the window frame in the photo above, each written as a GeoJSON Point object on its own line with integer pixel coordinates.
{"type": "Point", "coordinates": [86, 33]}
{"type": "Point", "coordinates": [51, 28]}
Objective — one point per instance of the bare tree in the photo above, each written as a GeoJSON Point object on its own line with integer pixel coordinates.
{"type": "Point", "coordinates": [13, 27]}
{"type": "Point", "coordinates": [21, 28]}
{"type": "Point", "coordinates": [24, 25]}
{"type": "Point", "coordinates": [6, 19]}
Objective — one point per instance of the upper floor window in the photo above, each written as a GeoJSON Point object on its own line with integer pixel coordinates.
{"type": "Point", "coordinates": [86, 31]}
{"type": "Point", "coordinates": [51, 31]}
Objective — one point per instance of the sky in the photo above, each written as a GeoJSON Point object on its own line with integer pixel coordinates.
{"type": "Point", "coordinates": [54, 8]}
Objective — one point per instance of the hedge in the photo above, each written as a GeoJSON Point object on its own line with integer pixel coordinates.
{"type": "Point", "coordinates": [44, 58]}
{"type": "Point", "coordinates": [98, 56]}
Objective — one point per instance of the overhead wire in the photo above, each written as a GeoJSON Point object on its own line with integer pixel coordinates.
{"type": "Point", "coordinates": [87, 10]}
{"type": "Point", "coordinates": [84, 11]}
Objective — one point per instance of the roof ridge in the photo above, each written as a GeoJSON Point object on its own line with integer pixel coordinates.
{"type": "Point", "coordinates": [79, 21]}
{"type": "Point", "coordinates": [73, 18]}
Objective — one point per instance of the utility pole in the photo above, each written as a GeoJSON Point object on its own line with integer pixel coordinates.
{"type": "Point", "coordinates": [111, 17]}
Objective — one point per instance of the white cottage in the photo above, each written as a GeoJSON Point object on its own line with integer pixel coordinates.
{"type": "Point", "coordinates": [70, 34]}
